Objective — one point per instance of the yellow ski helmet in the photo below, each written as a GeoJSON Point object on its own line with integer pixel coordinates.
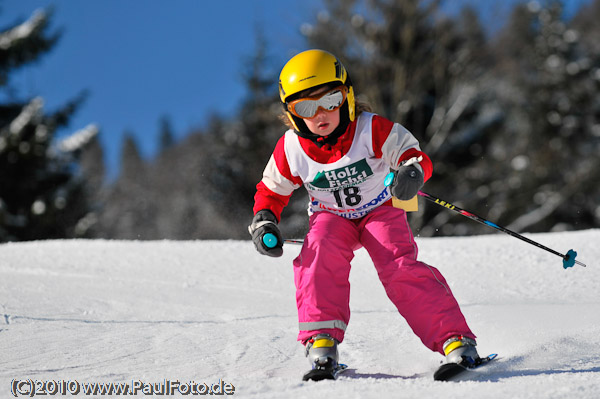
{"type": "Point", "coordinates": [310, 69]}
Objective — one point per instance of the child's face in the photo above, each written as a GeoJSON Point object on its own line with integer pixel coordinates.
{"type": "Point", "coordinates": [324, 122]}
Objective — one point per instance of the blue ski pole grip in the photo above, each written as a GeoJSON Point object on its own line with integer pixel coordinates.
{"type": "Point", "coordinates": [270, 240]}
{"type": "Point", "coordinates": [389, 179]}
{"type": "Point", "coordinates": [569, 259]}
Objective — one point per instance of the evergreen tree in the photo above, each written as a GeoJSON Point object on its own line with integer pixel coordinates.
{"type": "Point", "coordinates": [41, 195]}
{"type": "Point", "coordinates": [132, 164]}
{"type": "Point", "coordinates": [93, 171]}
{"type": "Point", "coordinates": [24, 43]}
{"type": "Point", "coordinates": [166, 136]}
{"type": "Point", "coordinates": [130, 208]}
{"type": "Point", "coordinates": [93, 166]}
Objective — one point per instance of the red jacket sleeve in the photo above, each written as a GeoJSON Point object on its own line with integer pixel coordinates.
{"type": "Point", "coordinates": [393, 142]}
{"type": "Point", "coordinates": [273, 192]}
{"type": "Point", "coordinates": [267, 199]}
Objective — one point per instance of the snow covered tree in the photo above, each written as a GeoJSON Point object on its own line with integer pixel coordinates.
{"type": "Point", "coordinates": [41, 193]}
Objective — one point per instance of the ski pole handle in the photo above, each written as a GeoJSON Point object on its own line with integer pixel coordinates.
{"type": "Point", "coordinates": [389, 179]}
{"type": "Point", "coordinates": [270, 240]}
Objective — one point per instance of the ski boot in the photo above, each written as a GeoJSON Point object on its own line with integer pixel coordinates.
{"type": "Point", "coordinates": [322, 353]}
{"type": "Point", "coordinates": [461, 356]}
{"type": "Point", "coordinates": [461, 350]}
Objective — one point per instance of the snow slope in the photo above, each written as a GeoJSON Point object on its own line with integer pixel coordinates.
{"type": "Point", "coordinates": [204, 311]}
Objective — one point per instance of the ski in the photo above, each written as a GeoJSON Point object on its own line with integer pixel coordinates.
{"type": "Point", "coordinates": [318, 374]}
{"type": "Point", "coordinates": [450, 371]}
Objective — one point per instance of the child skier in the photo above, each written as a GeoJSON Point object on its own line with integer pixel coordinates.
{"type": "Point", "coordinates": [341, 154]}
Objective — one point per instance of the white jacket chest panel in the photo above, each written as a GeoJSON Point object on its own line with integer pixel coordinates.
{"type": "Point", "coordinates": [351, 186]}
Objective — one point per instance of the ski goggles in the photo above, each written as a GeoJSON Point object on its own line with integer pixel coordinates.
{"type": "Point", "coordinates": [307, 107]}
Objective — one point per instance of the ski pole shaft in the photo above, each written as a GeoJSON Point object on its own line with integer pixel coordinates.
{"type": "Point", "coordinates": [568, 259]}
{"type": "Point", "coordinates": [293, 241]}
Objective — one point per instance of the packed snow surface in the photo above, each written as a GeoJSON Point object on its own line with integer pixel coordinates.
{"type": "Point", "coordinates": [211, 311]}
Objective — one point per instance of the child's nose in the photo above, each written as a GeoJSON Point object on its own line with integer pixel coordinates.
{"type": "Point", "coordinates": [320, 112]}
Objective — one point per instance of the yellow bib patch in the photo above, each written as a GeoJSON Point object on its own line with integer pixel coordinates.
{"type": "Point", "coordinates": [412, 205]}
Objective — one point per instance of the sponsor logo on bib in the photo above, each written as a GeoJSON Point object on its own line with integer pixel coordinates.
{"type": "Point", "coordinates": [351, 175]}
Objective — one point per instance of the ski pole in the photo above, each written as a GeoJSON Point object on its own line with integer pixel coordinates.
{"type": "Point", "coordinates": [568, 258]}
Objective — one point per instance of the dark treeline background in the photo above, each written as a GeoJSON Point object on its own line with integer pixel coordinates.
{"type": "Point", "coordinates": [510, 118]}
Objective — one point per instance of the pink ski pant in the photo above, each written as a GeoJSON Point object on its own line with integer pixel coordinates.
{"type": "Point", "coordinates": [419, 291]}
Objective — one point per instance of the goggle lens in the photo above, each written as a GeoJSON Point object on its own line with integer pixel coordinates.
{"type": "Point", "coordinates": [330, 101]}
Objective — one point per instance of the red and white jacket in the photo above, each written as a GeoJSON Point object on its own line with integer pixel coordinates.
{"type": "Point", "coordinates": [347, 178]}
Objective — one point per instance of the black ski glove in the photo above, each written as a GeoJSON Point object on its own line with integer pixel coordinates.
{"type": "Point", "coordinates": [408, 180]}
{"type": "Point", "coordinates": [265, 222]}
